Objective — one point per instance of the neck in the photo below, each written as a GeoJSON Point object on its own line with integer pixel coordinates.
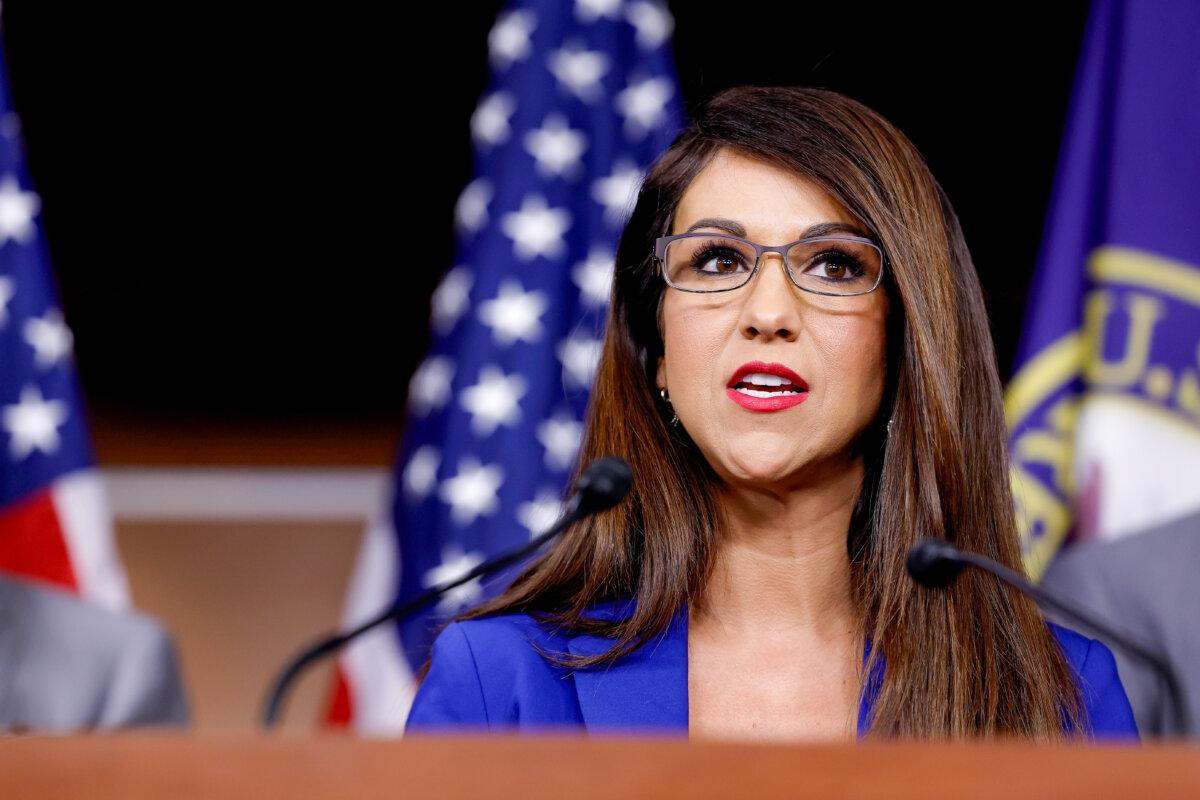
{"type": "Point", "coordinates": [782, 563]}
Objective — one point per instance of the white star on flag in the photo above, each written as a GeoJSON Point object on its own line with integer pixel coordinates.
{"type": "Point", "coordinates": [471, 210]}
{"type": "Point", "coordinates": [49, 337]}
{"type": "Point", "coordinates": [450, 299]}
{"type": "Point", "coordinates": [515, 314]}
{"type": "Point", "coordinates": [420, 475]}
{"type": "Point", "coordinates": [7, 290]}
{"type": "Point", "coordinates": [496, 424]}
{"type": "Point", "coordinates": [536, 230]}
{"type": "Point", "coordinates": [618, 192]}
{"type": "Point", "coordinates": [644, 105]}
{"type": "Point", "coordinates": [17, 210]}
{"type": "Point", "coordinates": [540, 513]}
{"type": "Point", "coordinates": [592, 10]}
{"type": "Point", "coordinates": [560, 436]}
{"type": "Point", "coordinates": [508, 41]}
{"type": "Point", "coordinates": [472, 492]}
{"type": "Point", "coordinates": [494, 401]}
{"type": "Point", "coordinates": [579, 356]}
{"type": "Point", "coordinates": [429, 388]}
{"type": "Point", "coordinates": [455, 564]}
{"type": "Point", "coordinates": [489, 123]}
{"type": "Point", "coordinates": [652, 21]}
{"type": "Point", "coordinates": [594, 277]}
{"type": "Point", "coordinates": [556, 147]}
{"type": "Point", "coordinates": [33, 423]}
{"type": "Point", "coordinates": [579, 71]}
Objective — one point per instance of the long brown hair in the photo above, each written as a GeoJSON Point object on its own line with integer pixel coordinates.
{"type": "Point", "coordinates": [976, 659]}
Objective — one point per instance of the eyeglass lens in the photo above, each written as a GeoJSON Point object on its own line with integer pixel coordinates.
{"type": "Point", "coordinates": [825, 266]}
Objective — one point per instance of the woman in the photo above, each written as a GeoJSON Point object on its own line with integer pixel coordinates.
{"type": "Point", "coordinates": [796, 418]}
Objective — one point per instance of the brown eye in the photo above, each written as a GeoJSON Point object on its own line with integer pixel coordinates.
{"type": "Point", "coordinates": [834, 271]}
{"type": "Point", "coordinates": [717, 260]}
{"type": "Point", "coordinates": [834, 266]}
{"type": "Point", "coordinates": [699, 263]}
{"type": "Point", "coordinates": [720, 263]}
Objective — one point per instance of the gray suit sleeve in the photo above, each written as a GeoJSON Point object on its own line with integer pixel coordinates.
{"type": "Point", "coordinates": [145, 687]}
{"type": "Point", "coordinates": [68, 665]}
{"type": "Point", "coordinates": [1145, 584]}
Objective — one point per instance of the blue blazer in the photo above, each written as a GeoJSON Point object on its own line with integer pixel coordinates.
{"type": "Point", "coordinates": [486, 675]}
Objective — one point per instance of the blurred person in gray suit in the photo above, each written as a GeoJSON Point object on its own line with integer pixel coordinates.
{"type": "Point", "coordinates": [1148, 583]}
{"type": "Point", "coordinates": [66, 664]}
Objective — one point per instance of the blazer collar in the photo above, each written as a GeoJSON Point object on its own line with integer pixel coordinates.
{"type": "Point", "coordinates": [648, 689]}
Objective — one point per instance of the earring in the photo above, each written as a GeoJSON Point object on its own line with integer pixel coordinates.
{"type": "Point", "coordinates": [889, 427]}
{"type": "Point", "coordinates": [666, 398]}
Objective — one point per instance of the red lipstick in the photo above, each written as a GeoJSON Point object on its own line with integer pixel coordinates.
{"type": "Point", "coordinates": [777, 389]}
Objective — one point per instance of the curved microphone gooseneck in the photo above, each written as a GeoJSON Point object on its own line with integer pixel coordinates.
{"type": "Point", "coordinates": [936, 563]}
{"type": "Point", "coordinates": [603, 484]}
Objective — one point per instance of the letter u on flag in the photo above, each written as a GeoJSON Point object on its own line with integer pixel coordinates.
{"type": "Point", "coordinates": [1104, 408]}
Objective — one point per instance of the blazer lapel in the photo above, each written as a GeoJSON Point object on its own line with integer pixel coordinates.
{"type": "Point", "coordinates": [647, 689]}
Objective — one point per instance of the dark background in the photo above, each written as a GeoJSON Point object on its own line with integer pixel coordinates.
{"type": "Point", "coordinates": [248, 207]}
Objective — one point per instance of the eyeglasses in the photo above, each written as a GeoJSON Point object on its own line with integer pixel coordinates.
{"type": "Point", "coordinates": [708, 262]}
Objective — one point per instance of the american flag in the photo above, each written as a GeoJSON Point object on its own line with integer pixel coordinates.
{"type": "Point", "coordinates": [55, 525]}
{"type": "Point", "coordinates": [582, 98]}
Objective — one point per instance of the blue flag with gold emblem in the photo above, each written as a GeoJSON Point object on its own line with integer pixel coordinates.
{"type": "Point", "coordinates": [1104, 407]}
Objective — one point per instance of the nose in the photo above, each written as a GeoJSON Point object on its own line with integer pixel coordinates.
{"type": "Point", "coordinates": [770, 310]}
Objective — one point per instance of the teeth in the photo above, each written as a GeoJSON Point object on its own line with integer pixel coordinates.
{"type": "Point", "coordinates": [763, 379]}
{"type": "Point", "coordinates": [756, 393]}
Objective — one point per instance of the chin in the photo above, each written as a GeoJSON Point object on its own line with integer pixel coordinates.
{"type": "Point", "coordinates": [765, 469]}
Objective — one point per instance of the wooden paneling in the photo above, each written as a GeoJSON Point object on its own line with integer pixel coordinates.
{"type": "Point", "coordinates": [137, 767]}
{"type": "Point", "coordinates": [240, 598]}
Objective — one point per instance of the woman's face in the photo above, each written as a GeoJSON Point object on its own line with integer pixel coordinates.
{"type": "Point", "coordinates": [835, 345]}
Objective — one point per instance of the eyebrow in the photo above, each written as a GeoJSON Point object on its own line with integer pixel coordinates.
{"type": "Point", "coordinates": [820, 229]}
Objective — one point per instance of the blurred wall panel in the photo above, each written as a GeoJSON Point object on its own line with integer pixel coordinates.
{"type": "Point", "coordinates": [240, 599]}
{"type": "Point", "coordinates": [240, 536]}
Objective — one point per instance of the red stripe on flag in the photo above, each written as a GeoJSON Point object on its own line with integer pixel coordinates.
{"type": "Point", "coordinates": [32, 543]}
{"type": "Point", "coordinates": [341, 706]}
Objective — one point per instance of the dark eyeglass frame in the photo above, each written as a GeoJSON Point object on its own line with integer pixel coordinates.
{"type": "Point", "coordinates": [660, 253]}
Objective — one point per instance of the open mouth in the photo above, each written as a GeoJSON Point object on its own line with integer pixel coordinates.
{"type": "Point", "coordinates": [761, 384]}
{"type": "Point", "coordinates": [758, 386]}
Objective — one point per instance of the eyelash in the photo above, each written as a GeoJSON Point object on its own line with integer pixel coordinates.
{"type": "Point", "coordinates": [833, 256]}
{"type": "Point", "coordinates": [843, 259]}
{"type": "Point", "coordinates": [713, 251]}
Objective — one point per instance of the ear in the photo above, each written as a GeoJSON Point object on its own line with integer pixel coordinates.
{"type": "Point", "coordinates": [660, 377]}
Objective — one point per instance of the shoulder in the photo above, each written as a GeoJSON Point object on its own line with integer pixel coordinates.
{"type": "Point", "coordinates": [499, 645]}
{"type": "Point", "coordinates": [75, 664]}
{"type": "Point", "coordinates": [490, 672]}
{"type": "Point", "coordinates": [507, 631]}
{"type": "Point", "coordinates": [1137, 577]}
{"type": "Point", "coordinates": [71, 626]}
{"type": "Point", "coordinates": [1095, 668]}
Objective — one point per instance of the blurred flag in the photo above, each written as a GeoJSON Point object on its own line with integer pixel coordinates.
{"type": "Point", "coordinates": [582, 99]}
{"type": "Point", "coordinates": [1104, 409]}
{"type": "Point", "coordinates": [55, 524]}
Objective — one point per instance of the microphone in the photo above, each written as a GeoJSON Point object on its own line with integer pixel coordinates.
{"type": "Point", "coordinates": [603, 484]}
{"type": "Point", "coordinates": [935, 563]}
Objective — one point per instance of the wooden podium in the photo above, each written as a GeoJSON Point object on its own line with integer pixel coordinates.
{"type": "Point", "coordinates": [137, 767]}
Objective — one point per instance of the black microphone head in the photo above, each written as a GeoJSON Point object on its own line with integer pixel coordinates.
{"type": "Point", "coordinates": [934, 563]}
{"type": "Point", "coordinates": [604, 483]}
